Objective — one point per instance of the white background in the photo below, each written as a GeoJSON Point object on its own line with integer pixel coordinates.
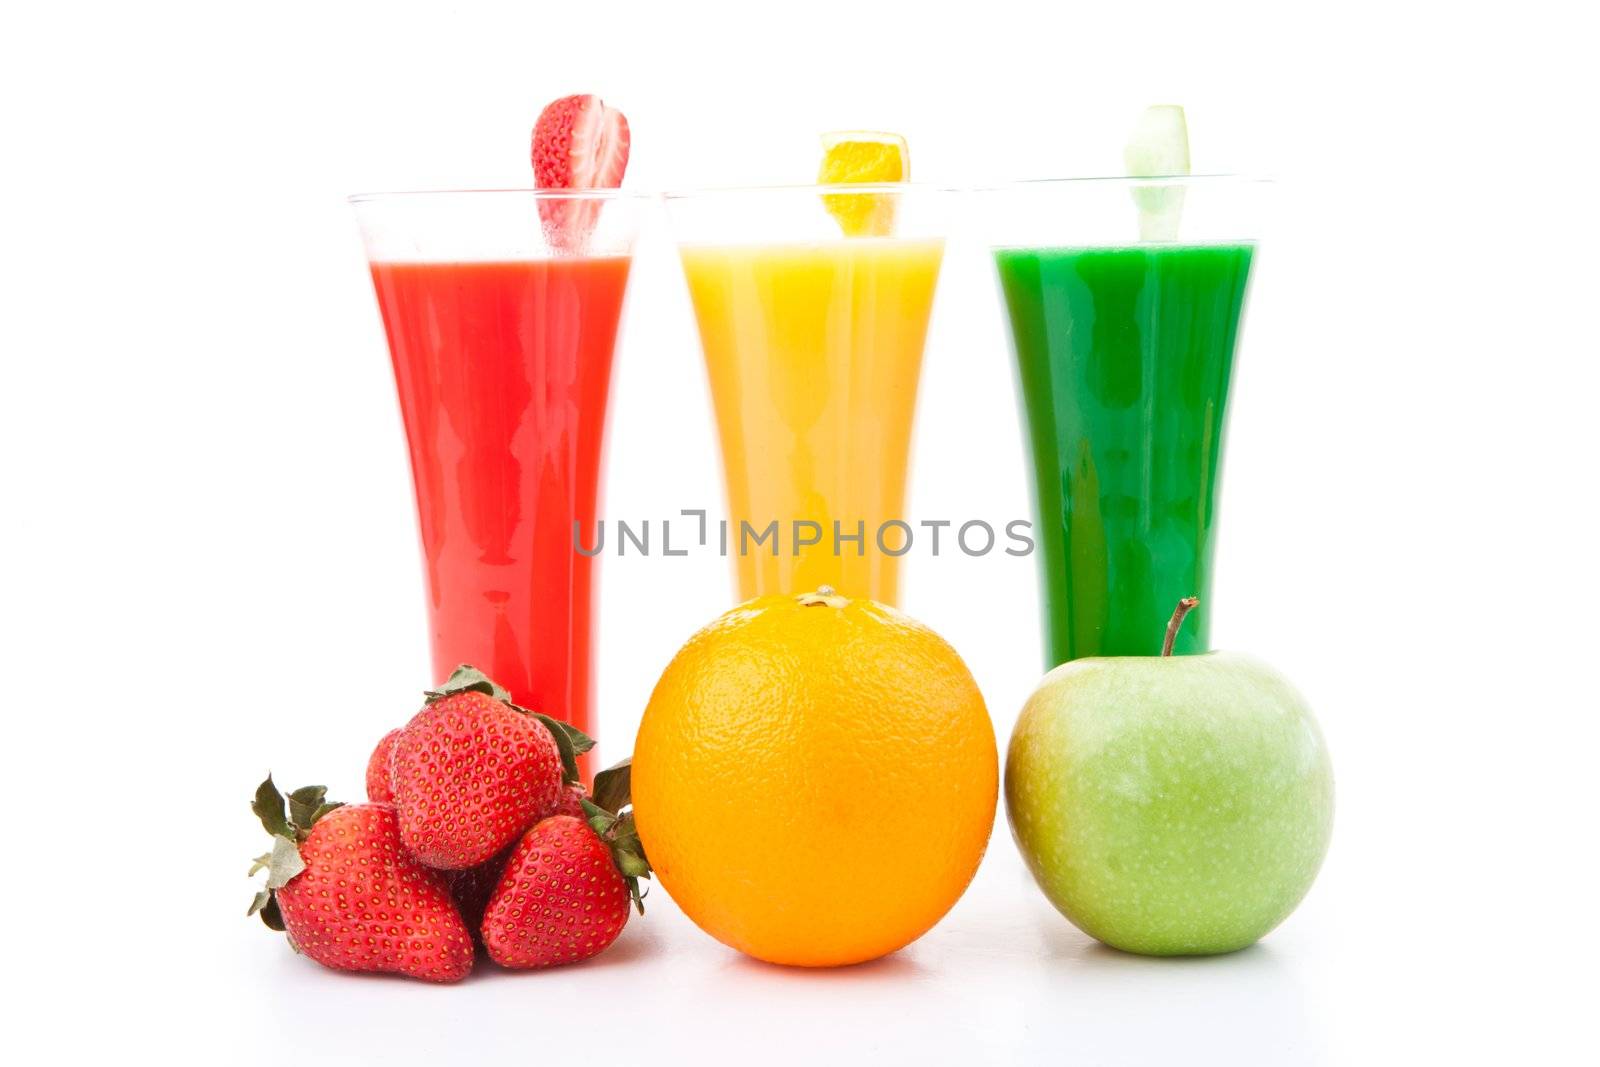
{"type": "Point", "coordinates": [209, 559]}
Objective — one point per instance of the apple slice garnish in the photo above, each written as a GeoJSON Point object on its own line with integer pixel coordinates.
{"type": "Point", "coordinates": [1159, 148]}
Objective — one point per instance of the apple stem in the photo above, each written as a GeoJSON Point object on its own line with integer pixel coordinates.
{"type": "Point", "coordinates": [1186, 605]}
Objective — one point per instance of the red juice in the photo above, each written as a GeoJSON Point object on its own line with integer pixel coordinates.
{"type": "Point", "coordinates": [504, 373]}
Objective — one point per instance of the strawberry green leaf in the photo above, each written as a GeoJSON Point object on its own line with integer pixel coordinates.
{"type": "Point", "coordinates": [324, 808]}
{"type": "Point", "coordinates": [600, 820]}
{"type": "Point", "coordinates": [633, 893]}
{"type": "Point", "coordinates": [632, 866]}
{"type": "Point", "coordinates": [624, 828]}
{"type": "Point", "coordinates": [468, 679]}
{"type": "Point", "coordinates": [614, 785]}
{"type": "Point", "coordinates": [570, 741]}
{"type": "Point", "coordinates": [268, 806]}
{"type": "Point", "coordinates": [581, 742]}
{"type": "Point", "coordinates": [284, 863]}
{"type": "Point", "coordinates": [625, 836]}
{"type": "Point", "coordinates": [266, 905]}
{"type": "Point", "coordinates": [303, 805]}
{"type": "Point", "coordinates": [260, 863]}
{"type": "Point", "coordinates": [627, 852]}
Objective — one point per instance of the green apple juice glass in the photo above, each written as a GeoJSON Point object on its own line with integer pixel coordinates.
{"type": "Point", "coordinates": [1125, 298]}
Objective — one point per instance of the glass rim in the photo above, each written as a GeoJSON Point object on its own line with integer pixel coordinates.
{"type": "Point", "coordinates": [1101, 180]}
{"type": "Point", "coordinates": [815, 188]}
{"type": "Point", "coordinates": [812, 188]}
{"type": "Point", "coordinates": [536, 194]}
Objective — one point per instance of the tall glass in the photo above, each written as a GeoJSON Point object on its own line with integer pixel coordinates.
{"type": "Point", "coordinates": [1125, 299]}
{"type": "Point", "coordinates": [813, 344]}
{"type": "Point", "coordinates": [501, 310]}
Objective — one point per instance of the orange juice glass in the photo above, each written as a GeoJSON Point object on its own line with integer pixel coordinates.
{"type": "Point", "coordinates": [813, 346]}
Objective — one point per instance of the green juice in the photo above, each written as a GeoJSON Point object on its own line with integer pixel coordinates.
{"type": "Point", "coordinates": [1124, 357]}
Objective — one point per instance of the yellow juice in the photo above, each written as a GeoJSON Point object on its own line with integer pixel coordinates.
{"type": "Point", "coordinates": [814, 352]}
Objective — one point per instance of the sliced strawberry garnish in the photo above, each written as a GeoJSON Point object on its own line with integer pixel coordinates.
{"type": "Point", "coordinates": [578, 143]}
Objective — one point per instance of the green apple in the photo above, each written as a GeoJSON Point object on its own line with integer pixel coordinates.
{"type": "Point", "coordinates": [1172, 805]}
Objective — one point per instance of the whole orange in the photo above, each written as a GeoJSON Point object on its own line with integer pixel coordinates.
{"type": "Point", "coordinates": [815, 779]}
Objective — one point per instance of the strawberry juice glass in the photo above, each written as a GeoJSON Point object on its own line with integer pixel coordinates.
{"type": "Point", "coordinates": [501, 311]}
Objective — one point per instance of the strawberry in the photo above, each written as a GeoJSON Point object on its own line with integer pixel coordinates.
{"type": "Point", "coordinates": [378, 787]}
{"type": "Point", "coordinates": [471, 771]}
{"type": "Point", "coordinates": [578, 143]}
{"type": "Point", "coordinates": [560, 900]}
{"type": "Point", "coordinates": [349, 896]}
{"type": "Point", "coordinates": [471, 889]}
{"type": "Point", "coordinates": [565, 892]}
{"type": "Point", "coordinates": [570, 800]}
